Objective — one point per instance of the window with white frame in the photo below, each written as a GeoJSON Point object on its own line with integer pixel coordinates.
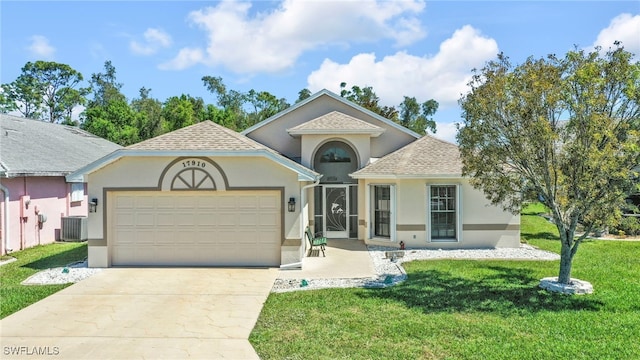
{"type": "Point", "coordinates": [381, 211]}
{"type": "Point", "coordinates": [443, 213]}
{"type": "Point", "coordinates": [77, 192]}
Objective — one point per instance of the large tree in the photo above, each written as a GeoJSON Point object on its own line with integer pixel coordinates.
{"type": "Point", "coordinates": [418, 116]}
{"type": "Point", "coordinates": [303, 94]}
{"type": "Point", "coordinates": [415, 116]}
{"type": "Point", "coordinates": [149, 119]}
{"type": "Point", "coordinates": [181, 111]}
{"type": "Point", "coordinates": [45, 89]}
{"type": "Point", "coordinates": [565, 130]}
{"type": "Point", "coordinates": [105, 86]}
{"type": "Point", "coordinates": [241, 110]}
{"type": "Point", "coordinates": [22, 95]}
{"type": "Point", "coordinates": [263, 105]}
{"type": "Point", "coordinates": [56, 83]}
{"type": "Point", "coordinates": [108, 114]}
{"type": "Point", "coordinates": [368, 99]}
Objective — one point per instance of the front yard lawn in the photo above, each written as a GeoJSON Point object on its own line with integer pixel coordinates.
{"type": "Point", "coordinates": [461, 309]}
{"type": "Point", "coordinates": [14, 296]}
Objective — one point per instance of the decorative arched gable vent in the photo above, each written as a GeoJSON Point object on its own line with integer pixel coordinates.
{"type": "Point", "coordinates": [193, 173]}
{"type": "Point", "coordinates": [193, 179]}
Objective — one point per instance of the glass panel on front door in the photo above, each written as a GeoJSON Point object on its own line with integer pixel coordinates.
{"type": "Point", "coordinates": [336, 211]}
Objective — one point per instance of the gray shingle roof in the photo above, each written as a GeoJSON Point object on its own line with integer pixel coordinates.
{"type": "Point", "coordinates": [336, 122]}
{"type": "Point", "coordinates": [425, 157]}
{"type": "Point", "coordinates": [204, 139]}
{"type": "Point", "coordinates": [205, 135]}
{"type": "Point", "coordinates": [336, 97]}
{"type": "Point", "coordinates": [37, 148]}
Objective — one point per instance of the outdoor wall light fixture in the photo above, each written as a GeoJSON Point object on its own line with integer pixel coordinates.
{"type": "Point", "coordinates": [292, 204]}
{"type": "Point", "coordinates": [93, 205]}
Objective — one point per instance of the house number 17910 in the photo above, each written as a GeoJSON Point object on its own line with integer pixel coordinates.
{"type": "Point", "coordinates": [194, 163]}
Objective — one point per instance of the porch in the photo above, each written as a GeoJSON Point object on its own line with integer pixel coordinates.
{"type": "Point", "coordinates": [345, 259]}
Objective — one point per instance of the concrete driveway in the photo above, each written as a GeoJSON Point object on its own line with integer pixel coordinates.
{"type": "Point", "coordinates": [143, 313]}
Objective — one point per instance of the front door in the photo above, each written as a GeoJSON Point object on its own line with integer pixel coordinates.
{"type": "Point", "coordinates": [336, 210]}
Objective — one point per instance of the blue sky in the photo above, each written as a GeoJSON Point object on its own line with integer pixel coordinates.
{"type": "Point", "coordinates": [412, 48]}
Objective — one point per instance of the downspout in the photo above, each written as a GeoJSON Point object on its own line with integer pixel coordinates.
{"type": "Point", "coordinates": [23, 226]}
{"type": "Point", "coordinates": [298, 265]}
{"type": "Point", "coordinates": [5, 215]}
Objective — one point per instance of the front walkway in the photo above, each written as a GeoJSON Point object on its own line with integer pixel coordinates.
{"type": "Point", "coordinates": [344, 259]}
{"type": "Point", "coordinates": [143, 313]}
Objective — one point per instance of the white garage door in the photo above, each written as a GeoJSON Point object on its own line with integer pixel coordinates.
{"type": "Point", "coordinates": [227, 228]}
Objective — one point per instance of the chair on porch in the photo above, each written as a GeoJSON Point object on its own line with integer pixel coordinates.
{"type": "Point", "coordinates": [317, 242]}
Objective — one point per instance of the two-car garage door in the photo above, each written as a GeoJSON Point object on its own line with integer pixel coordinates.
{"type": "Point", "coordinates": [195, 228]}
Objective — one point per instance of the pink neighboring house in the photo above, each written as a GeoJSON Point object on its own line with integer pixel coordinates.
{"type": "Point", "coordinates": [35, 157]}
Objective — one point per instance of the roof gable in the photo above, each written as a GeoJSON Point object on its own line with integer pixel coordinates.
{"type": "Point", "coordinates": [336, 122]}
{"type": "Point", "coordinates": [202, 139]}
{"type": "Point", "coordinates": [423, 158]}
{"type": "Point", "coordinates": [30, 147]}
{"type": "Point", "coordinates": [325, 92]}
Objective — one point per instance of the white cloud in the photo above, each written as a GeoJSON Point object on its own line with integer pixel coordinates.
{"type": "Point", "coordinates": [443, 76]}
{"type": "Point", "coordinates": [40, 47]}
{"type": "Point", "coordinates": [186, 57]}
{"type": "Point", "coordinates": [272, 41]}
{"type": "Point", "coordinates": [624, 28]}
{"type": "Point", "coordinates": [154, 40]}
{"type": "Point", "coordinates": [446, 131]}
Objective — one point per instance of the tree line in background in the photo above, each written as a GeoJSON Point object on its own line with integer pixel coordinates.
{"type": "Point", "coordinates": [51, 91]}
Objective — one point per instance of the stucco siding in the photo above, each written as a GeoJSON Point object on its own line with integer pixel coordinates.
{"type": "Point", "coordinates": [48, 196]}
{"type": "Point", "coordinates": [482, 224]}
{"type": "Point", "coordinates": [159, 174]}
{"type": "Point", "coordinates": [145, 172]}
{"type": "Point", "coordinates": [275, 136]}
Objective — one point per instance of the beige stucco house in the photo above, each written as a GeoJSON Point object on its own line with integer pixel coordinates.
{"type": "Point", "coordinates": [205, 195]}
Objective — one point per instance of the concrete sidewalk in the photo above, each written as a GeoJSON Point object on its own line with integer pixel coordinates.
{"type": "Point", "coordinates": [144, 313]}
{"type": "Point", "coordinates": [345, 259]}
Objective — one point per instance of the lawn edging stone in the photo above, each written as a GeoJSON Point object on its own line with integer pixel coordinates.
{"type": "Point", "coordinates": [575, 286]}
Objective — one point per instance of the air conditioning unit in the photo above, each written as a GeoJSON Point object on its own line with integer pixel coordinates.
{"type": "Point", "coordinates": [74, 228]}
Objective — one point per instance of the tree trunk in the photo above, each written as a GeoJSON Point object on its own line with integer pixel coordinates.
{"type": "Point", "coordinates": [566, 259]}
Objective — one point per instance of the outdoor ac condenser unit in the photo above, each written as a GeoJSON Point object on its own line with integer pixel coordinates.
{"type": "Point", "coordinates": [74, 228]}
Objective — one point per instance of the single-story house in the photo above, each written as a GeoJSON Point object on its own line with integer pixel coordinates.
{"type": "Point", "coordinates": [35, 157]}
{"type": "Point", "coordinates": [205, 195]}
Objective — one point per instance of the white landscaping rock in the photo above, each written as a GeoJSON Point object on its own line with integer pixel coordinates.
{"type": "Point", "coordinates": [575, 286]}
{"type": "Point", "coordinates": [391, 272]}
{"type": "Point", "coordinates": [73, 273]}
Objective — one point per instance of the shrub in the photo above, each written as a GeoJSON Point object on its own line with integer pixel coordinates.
{"type": "Point", "coordinates": [628, 225]}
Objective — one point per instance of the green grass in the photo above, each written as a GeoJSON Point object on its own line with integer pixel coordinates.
{"type": "Point", "coordinates": [457, 309]}
{"type": "Point", "coordinates": [13, 295]}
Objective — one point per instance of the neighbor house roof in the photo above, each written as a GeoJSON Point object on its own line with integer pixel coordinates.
{"type": "Point", "coordinates": [31, 147]}
{"type": "Point", "coordinates": [426, 157]}
{"type": "Point", "coordinates": [202, 139]}
{"type": "Point", "coordinates": [334, 96]}
{"type": "Point", "coordinates": [336, 122]}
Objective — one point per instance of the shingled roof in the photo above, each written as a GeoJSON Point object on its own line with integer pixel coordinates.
{"type": "Point", "coordinates": [202, 139]}
{"type": "Point", "coordinates": [205, 135]}
{"type": "Point", "coordinates": [336, 122]}
{"type": "Point", "coordinates": [31, 147]}
{"type": "Point", "coordinates": [423, 158]}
